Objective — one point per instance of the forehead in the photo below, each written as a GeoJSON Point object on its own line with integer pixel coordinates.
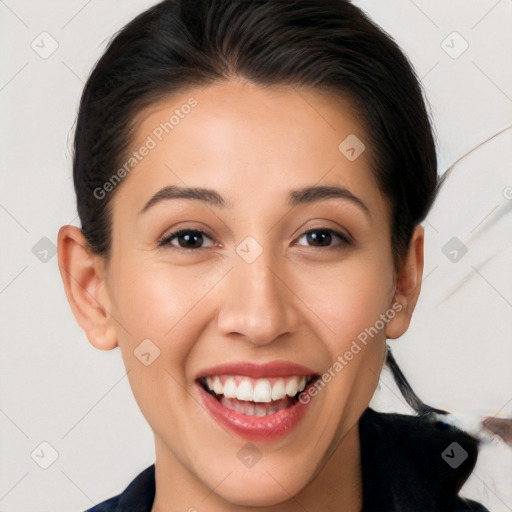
{"type": "Point", "coordinates": [247, 139]}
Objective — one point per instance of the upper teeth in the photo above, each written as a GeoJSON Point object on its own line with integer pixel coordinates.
{"type": "Point", "coordinates": [256, 390]}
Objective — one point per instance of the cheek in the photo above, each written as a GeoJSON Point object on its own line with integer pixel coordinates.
{"type": "Point", "coordinates": [157, 299]}
{"type": "Point", "coordinates": [163, 304]}
{"type": "Point", "coordinates": [347, 298]}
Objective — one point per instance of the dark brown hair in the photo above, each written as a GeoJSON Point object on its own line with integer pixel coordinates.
{"type": "Point", "coordinates": [326, 45]}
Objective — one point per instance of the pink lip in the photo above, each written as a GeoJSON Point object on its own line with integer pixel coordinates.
{"type": "Point", "coordinates": [258, 371]}
{"type": "Point", "coordinates": [253, 428]}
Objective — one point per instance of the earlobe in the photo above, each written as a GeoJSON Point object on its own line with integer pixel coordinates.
{"type": "Point", "coordinates": [408, 285]}
{"type": "Point", "coordinates": [83, 277]}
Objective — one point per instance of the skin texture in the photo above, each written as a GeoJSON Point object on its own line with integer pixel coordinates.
{"type": "Point", "coordinates": [296, 302]}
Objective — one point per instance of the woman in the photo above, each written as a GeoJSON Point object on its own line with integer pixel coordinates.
{"type": "Point", "coordinates": [250, 179]}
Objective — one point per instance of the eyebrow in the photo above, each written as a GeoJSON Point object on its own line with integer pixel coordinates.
{"type": "Point", "coordinates": [295, 198]}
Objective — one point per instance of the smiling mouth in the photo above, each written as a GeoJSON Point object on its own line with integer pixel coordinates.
{"type": "Point", "coordinates": [256, 397]}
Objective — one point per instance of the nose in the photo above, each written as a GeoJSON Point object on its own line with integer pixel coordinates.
{"type": "Point", "coordinates": [257, 301]}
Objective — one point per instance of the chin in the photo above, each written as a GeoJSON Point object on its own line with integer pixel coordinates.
{"type": "Point", "coordinates": [262, 490]}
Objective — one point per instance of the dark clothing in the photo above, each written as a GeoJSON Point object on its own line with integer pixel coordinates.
{"type": "Point", "coordinates": [408, 464]}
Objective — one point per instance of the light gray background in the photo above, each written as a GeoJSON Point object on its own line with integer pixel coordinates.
{"type": "Point", "coordinates": [56, 389]}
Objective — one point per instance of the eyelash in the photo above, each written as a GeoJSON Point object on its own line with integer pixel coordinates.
{"type": "Point", "coordinates": [166, 240]}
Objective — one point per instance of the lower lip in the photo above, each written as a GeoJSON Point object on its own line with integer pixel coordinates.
{"type": "Point", "coordinates": [254, 428]}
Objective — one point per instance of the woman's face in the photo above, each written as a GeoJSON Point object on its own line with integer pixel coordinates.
{"type": "Point", "coordinates": [275, 275]}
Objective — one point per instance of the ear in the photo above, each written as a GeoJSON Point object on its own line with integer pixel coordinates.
{"type": "Point", "coordinates": [407, 285]}
{"type": "Point", "coordinates": [83, 275]}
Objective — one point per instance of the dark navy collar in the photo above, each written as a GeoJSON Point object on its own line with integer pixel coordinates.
{"type": "Point", "coordinates": [408, 463]}
{"type": "Point", "coordinates": [412, 463]}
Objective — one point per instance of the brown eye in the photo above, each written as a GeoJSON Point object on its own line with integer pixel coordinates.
{"type": "Point", "coordinates": [322, 237]}
{"type": "Point", "coordinates": [186, 239]}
